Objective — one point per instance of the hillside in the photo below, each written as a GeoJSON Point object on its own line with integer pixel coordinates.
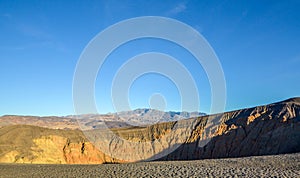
{"type": "Point", "coordinates": [262, 130]}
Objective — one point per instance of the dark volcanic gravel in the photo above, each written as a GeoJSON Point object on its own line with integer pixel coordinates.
{"type": "Point", "coordinates": [260, 166]}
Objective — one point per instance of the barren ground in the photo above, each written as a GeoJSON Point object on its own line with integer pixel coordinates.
{"type": "Point", "coordinates": [260, 166]}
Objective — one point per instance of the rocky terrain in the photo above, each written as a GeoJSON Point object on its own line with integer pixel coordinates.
{"type": "Point", "coordinates": [261, 166]}
{"type": "Point", "coordinates": [263, 130]}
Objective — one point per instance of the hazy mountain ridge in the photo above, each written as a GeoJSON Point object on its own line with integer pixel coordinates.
{"type": "Point", "coordinates": [137, 117]}
{"type": "Point", "coordinates": [146, 116]}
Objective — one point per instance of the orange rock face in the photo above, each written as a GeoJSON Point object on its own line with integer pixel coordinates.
{"type": "Point", "coordinates": [86, 153]}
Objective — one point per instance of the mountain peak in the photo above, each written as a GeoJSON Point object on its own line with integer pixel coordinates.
{"type": "Point", "coordinates": [290, 100]}
{"type": "Point", "coordinates": [294, 100]}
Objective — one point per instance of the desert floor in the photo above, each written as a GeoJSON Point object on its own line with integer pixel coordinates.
{"type": "Point", "coordinates": [259, 166]}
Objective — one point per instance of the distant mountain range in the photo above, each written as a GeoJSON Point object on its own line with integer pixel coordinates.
{"type": "Point", "coordinates": [137, 117]}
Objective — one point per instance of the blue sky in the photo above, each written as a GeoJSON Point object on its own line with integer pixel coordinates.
{"type": "Point", "coordinates": [257, 43]}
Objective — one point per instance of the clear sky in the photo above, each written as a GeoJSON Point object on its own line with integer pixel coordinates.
{"type": "Point", "coordinates": [257, 42]}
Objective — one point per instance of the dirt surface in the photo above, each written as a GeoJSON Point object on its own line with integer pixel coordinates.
{"type": "Point", "coordinates": [260, 166]}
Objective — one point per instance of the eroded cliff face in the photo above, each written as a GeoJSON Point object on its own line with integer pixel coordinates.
{"type": "Point", "coordinates": [270, 129]}
{"type": "Point", "coordinates": [31, 144]}
{"type": "Point", "coordinates": [263, 130]}
{"type": "Point", "coordinates": [56, 149]}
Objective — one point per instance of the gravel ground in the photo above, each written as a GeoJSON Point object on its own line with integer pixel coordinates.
{"type": "Point", "coordinates": [259, 166]}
